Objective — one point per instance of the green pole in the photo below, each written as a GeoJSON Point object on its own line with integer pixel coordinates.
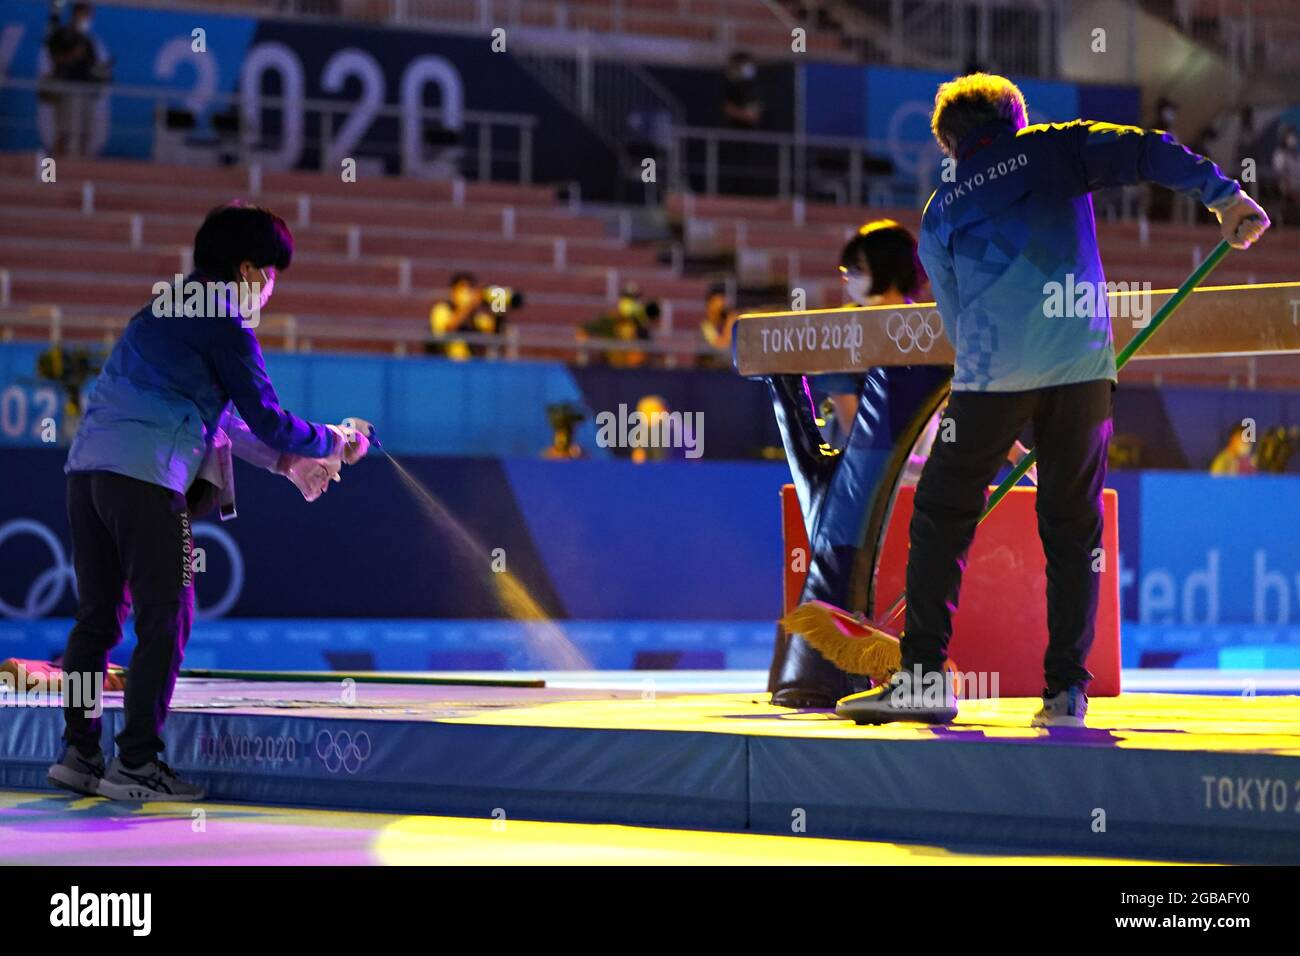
{"type": "Point", "coordinates": [1126, 353]}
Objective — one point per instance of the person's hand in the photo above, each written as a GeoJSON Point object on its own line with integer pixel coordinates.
{"type": "Point", "coordinates": [359, 431]}
{"type": "Point", "coordinates": [353, 440]}
{"type": "Point", "coordinates": [311, 476]}
{"type": "Point", "coordinates": [1243, 222]}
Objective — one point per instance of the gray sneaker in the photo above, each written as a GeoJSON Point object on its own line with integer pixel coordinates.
{"type": "Point", "coordinates": [154, 781]}
{"type": "Point", "coordinates": [77, 772]}
{"type": "Point", "coordinates": [1068, 708]}
{"type": "Point", "coordinates": [928, 700]}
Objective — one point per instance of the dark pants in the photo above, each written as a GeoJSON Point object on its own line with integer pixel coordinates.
{"type": "Point", "coordinates": [1072, 431]}
{"type": "Point", "coordinates": [131, 542]}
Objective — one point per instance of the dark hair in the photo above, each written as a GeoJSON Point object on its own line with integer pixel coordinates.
{"type": "Point", "coordinates": [972, 101]}
{"type": "Point", "coordinates": [460, 277]}
{"type": "Point", "coordinates": [237, 232]}
{"type": "Point", "coordinates": [890, 254]}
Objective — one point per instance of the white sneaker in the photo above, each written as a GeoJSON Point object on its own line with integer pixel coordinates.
{"type": "Point", "coordinates": [909, 696]}
{"type": "Point", "coordinates": [153, 781]}
{"type": "Point", "coordinates": [1068, 708]}
{"type": "Point", "coordinates": [77, 772]}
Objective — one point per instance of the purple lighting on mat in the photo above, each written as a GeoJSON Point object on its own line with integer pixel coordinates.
{"type": "Point", "coordinates": [61, 831]}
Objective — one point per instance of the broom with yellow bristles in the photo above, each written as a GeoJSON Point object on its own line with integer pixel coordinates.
{"type": "Point", "coordinates": [847, 641]}
{"type": "Point", "coordinates": [857, 646]}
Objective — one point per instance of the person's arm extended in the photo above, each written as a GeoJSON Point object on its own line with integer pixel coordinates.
{"type": "Point", "coordinates": [311, 476]}
{"type": "Point", "coordinates": [1123, 155]}
{"type": "Point", "coordinates": [237, 358]}
{"type": "Point", "coordinates": [245, 446]}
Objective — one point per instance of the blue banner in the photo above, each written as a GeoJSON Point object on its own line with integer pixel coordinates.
{"type": "Point", "coordinates": [617, 542]}
{"type": "Point", "coordinates": [430, 406]}
{"type": "Point", "coordinates": [582, 539]}
{"type": "Point", "coordinates": [891, 107]}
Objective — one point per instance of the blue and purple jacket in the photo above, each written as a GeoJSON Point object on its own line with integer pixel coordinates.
{"type": "Point", "coordinates": [1017, 219]}
{"type": "Point", "coordinates": [164, 397]}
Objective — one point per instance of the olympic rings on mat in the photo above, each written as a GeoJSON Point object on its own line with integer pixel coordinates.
{"type": "Point", "coordinates": [342, 751]}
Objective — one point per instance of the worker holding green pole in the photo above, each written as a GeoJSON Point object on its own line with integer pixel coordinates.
{"type": "Point", "coordinates": [1011, 224]}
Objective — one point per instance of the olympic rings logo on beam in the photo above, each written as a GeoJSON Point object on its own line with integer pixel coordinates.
{"type": "Point", "coordinates": [46, 590]}
{"type": "Point", "coordinates": [342, 751]}
{"type": "Point", "coordinates": [911, 331]}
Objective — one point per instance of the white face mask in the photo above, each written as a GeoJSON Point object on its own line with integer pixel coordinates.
{"type": "Point", "coordinates": [254, 296]}
{"type": "Point", "coordinates": [858, 286]}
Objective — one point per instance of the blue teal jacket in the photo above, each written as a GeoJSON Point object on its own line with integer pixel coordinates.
{"type": "Point", "coordinates": [155, 409]}
{"type": "Point", "coordinates": [1015, 227]}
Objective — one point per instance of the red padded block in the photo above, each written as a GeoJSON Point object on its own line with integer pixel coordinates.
{"type": "Point", "coordinates": [1001, 625]}
{"type": "Point", "coordinates": [794, 538]}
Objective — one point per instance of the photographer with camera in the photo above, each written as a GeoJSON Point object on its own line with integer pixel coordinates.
{"type": "Point", "coordinates": [469, 308]}
{"type": "Point", "coordinates": [632, 320]}
{"type": "Point", "coordinates": [716, 327]}
{"type": "Point", "coordinates": [79, 67]}
{"type": "Point", "coordinates": [565, 417]}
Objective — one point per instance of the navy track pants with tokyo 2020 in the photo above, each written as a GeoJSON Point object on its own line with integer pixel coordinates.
{"type": "Point", "coordinates": [131, 543]}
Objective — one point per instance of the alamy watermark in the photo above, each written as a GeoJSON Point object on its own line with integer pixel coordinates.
{"type": "Point", "coordinates": [133, 911]}
{"type": "Point", "coordinates": [658, 429]}
{"type": "Point", "coordinates": [76, 689]}
{"type": "Point", "coordinates": [1085, 299]}
{"type": "Point", "coordinates": [193, 298]}
{"type": "Point", "coordinates": [933, 688]}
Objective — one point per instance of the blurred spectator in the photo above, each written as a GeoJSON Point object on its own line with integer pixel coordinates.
{"type": "Point", "coordinates": [564, 419]}
{"type": "Point", "coordinates": [648, 134]}
{"type": "Point", "coordinates": [742, 109]}
{"type": "Point", "coordinates": [1275, 448]}
{"type": "Point", "coordinates": [1126, 452]}
{"type": "Point", "coordinates": [471, 309]}
{"type": "Point", "coordinates": [446, 148]}
{"type": "Point", "coordinates": [1166, 114]}
{"type": "Point", "coordinates": [1236, 133]}
{"type": "Point", "coordinates": [631, 320]}
{"type": "Point", "coordinates": [79, 66]}
{"type": "Point", "coordinates": [719, 319]}
{"type": "Point", "coordinates": [653, 408]}
{"type": "Point", "coordinates": [1286, 170]}
{"type": "Point", "coordinates": [741, 105]}
{"type": "Point", "coordinates": [1237, 457]}
{"type": "Point", "coordinates": [71, 370]}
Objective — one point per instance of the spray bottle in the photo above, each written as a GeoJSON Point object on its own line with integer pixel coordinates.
{"type": "Point", "coordinates": [365, 428]}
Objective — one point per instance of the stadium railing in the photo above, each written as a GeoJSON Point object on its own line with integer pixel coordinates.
{"type": "Point", "coordinates": [760, 25]}
{"type": "Point", "coordinates": [478, 143]}
{"type": "Point", "coordinates": [850, 170]}
{"type": "Point", "coordinates": [293, 333]}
